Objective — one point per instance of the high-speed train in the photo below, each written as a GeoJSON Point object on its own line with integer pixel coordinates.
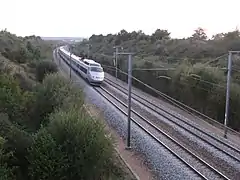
{"type": "Point", "coordinates": [89, 69]}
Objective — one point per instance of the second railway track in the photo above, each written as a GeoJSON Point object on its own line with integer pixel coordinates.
{"type": "Point", "coordinates": [201, 168]}
{"type": "Point", "coordinates": [213, 156]}
{"type": "Point", "coordinates": [234, 152]}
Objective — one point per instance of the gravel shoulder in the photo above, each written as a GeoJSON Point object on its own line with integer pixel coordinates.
{"type": "Point", "coordinates": [132, 163]}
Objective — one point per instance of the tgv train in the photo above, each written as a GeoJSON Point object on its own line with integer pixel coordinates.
{"type": "Point", "coordinates": [89, 69]}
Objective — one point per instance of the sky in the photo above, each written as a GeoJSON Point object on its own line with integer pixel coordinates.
{"type": "Point", "coordinates": [82, 18]}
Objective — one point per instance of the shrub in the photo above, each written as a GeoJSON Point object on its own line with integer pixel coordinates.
{"type": "Point", "coordinates": [50, 95]}
{"type": "Point", "coordinates": [25, 83]}
{"type": "Point", "coordinates": [10, 97]}
{"type": "Point", "coordinates": [45, 157]}
{"type": "Point", "coordinates": [45, 67]}
{"type": "Point", "coordinates": [17, 142]}
{"type": "Point", "coordinates": [5, 172]}
{"type": "Point", "coordinates": [72, 146]}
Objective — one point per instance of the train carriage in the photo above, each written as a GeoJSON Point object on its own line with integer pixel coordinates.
{"type": "Point", "coordinates": [89, 69]}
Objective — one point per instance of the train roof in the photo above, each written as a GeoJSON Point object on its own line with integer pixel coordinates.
{"type": "Point", "coordinates": [90, 61]}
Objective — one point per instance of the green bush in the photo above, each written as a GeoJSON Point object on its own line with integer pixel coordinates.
{"type": "Point", "coordinates": [17, 142]}
{"type": "Point", "coordinates": [25, 83]}
{"type": "Point", "coordinates": [50, 95]}
{"type": "Point", "coordinates": [45, 67]}
{"type": "Point", "coordinates": [6, 173]}
{"type": "Point", "coordinates": [72, 146]}
{"type": "Point", "coordinates": [45, 157]}
{"type": "Point", "coordinates": [11, 97]}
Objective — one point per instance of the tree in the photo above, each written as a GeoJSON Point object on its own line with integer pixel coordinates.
{"type": "Point", "coordinates": [199, 34]}
{"type": "Point", "coordinates": [232, 35]}
{"type": "Point", "coordinates": [11, 98]}
{"type": "Point", "coordinates": [160, 35]}
{"type": "Point", "coordinates": [5, 172]}
{"type": "Point", "coordinates": [218, 36]}
{"type": "Point", "coordinates": [43, 68]}
{"type": "Point", "coordinates": [72, 146]}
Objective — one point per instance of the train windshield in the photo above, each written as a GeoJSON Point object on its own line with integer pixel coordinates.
{"type": "Point", "coordinates": [96, 69]}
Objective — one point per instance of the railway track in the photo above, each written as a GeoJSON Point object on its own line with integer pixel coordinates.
{"type": "Point", "coordinates": [190, 111]}
{"type": "Point", "coordinates": [210, 139]}
{"type": "Point", "coordinates": [193, 162]}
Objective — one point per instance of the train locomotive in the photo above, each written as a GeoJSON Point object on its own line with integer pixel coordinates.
{"type": "Point", "coordinates": [87, 68]}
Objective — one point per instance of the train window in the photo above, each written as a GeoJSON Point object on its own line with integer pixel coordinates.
{"type": "Point", "coordinates": [95, 65]}
{"type": "Point", "coordinates": [96, 69]}
{"type": "Point", "coordinates": [83, 69]}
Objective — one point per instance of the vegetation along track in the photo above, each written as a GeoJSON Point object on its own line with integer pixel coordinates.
{"type": "Point", "coordinates": [234, 152]}
{"type": "Point", "coordinates": [201, 168]}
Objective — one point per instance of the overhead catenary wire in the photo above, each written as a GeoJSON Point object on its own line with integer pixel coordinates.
{"type": "Point", "coordinates": [216, 59]}
{"type": "Point", "coordinates": [174, 101]}
{"type": "Point", "coordinates": [201, 80]}
{"type": "Point", "coordinates": [214, 84]}
{"type": "Point", "coordinates": [182, 83]}
{"type": "Point", "coordinates": [162, 68]}
{"type": "Point", "coordinates": [179, 104]}
{"type": "Point", "coordinates": [178, 58]}
{"type": "Point", "coordinates": [207, 82]}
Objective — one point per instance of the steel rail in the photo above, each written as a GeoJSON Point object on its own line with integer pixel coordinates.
{"type": "Point", "coordinates": [182, 120]}
{"type": "Point", "coordinates": [162, 132]}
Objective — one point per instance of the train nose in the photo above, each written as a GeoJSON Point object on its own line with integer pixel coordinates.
{"type": "Point", "coordinates": [99, 78]}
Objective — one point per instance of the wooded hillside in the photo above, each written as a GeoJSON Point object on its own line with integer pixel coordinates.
{"type": "Point", "coordinates": [199, 66]}
{"type": "Point", "coordinates": [45, 131]}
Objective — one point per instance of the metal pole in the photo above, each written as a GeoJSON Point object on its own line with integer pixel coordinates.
{"type": "Point", "coordinates": [59, 58]}
{"type": "Point", "coordinates": [116, 61]}
{"type": "Point", "coordinates": [227, 93]}
{"type": "Point", "coordinates": [88, 50]}
{"type": "Point", "coordinates": [129, 98]}
{"type": "Point", "coordinates": [55, 54]}
{"type": "Point", "coordinates": [70, 66]}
